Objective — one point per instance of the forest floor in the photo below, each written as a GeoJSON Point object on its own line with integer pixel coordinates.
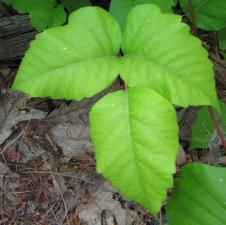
{"type": "Point", "coordinates": [47, 164]}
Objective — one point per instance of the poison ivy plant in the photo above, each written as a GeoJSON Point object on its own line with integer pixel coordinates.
{"type": "Point", "coordinates": [199, 196]}
{"type": "Point", "coordinates": [203, 127]}
{"type": "Point", "coordinates": [221, 35]}
{"type": "Point", "coordinates": [209, 14]}
{"type": "Point", "coordinates": [134, 131]}
{"type": "Point", "coordinates": [43, 13]}
{"type": "Point", "coordinates": [120, 9]}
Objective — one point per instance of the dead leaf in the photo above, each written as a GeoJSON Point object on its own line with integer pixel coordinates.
{"type": "Point", "coordinates": [13, 113]}
{"type": "Point", "coordinates": [100, 200]}
{"type": "Point", "coordinates": [74, 140]}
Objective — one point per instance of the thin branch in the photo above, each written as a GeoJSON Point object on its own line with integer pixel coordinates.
{"type": "Point", "coordinates": [70, 176]}
{"type": "Point", "coordinates": [160, 217]}
{"type": "Point", "coordinates": [62, 197]}
{"type": "Point", "coordinates": [216, 125]}
{"type": "Point", "coordinates": [11, 142]}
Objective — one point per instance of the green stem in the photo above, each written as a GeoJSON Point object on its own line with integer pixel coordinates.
{"type": "Point", "coordinates": [193, 20]}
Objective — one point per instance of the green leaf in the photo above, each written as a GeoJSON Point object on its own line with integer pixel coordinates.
{"type": "Point", "coordinates": [27, 6]}
{"type": "Point", "coordinates": [209, 14]}
{"type": "Point", "coordinates": [74, 61]}
{"type": "Point", "coordinates": [203, 127]}
{"type": "Point", "coordinates": [135, 135]}
{"type": "Point", "coordinates": [8, 2]}
{"type": "Point", "coordinates": [221, 35]}
{"type": "Point", "coordinates": [119, 9]}
{"type": "Point", "coordinates": [160, 52]}
{"type": "Point", "coordinates": [43, 13]}
{"type": "Point", "coordinates": [222, 38]}
{"type": "Point", "coordinates": [50, 17]}
{"type": "Point", "coordinates": [72, 5]}
{"type": "Point", "coordinates": [199, 196]}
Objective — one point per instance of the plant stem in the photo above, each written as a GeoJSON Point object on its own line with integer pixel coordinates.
{"type": "Point", "coordinates": [193, 21]}
{"type": "Point", "coordinates": [216, 125]}
{"type": "Point", "coordinates": [219, 131]}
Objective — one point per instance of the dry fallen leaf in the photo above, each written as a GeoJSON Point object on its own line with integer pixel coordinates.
{"type": "Point", "coordinates": [100, 200]}
{"type": "Point", "coordinates": [13, 113]}
{"type": "Point", "coordinates": [73, 140]}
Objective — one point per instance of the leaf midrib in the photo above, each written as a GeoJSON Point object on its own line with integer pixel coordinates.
{"type": "Point", "coordinates": [203, 187]}
{"type": "Point", "coordinates": [132, 145]}
{"type": "Point", "coordinates": [49, 72]}
{"type": "Point", "coordinates": [165, 68]}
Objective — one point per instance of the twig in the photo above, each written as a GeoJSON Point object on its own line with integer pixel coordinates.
{"type": "Point", "coordinates": [62, 197]}
{"type": "Point", "coordinates": [2, 102]}
{"type": "Point", "coordinates": [216, 125]}
{"type": "Point", "coordinates": [51, 143]}
{"type": "Point", "coordinates": [217, 60]}
{"type": "Point", "coordinates": [160, 217]}
{"type": "Point", "coordinates": [46, 214]}
{"type": "Point", "coordinates": [54, 216]}
{"type": "Point", "coordinates": [70, 176]}
{"type": "Point", "coordinates": [10, 143]}
{"type": "Point", "coordinates": [14, 217]}
{"type": "Point", "coordinates": [28, 191]}
{"type": "Point", "coordinates": [193, 20]}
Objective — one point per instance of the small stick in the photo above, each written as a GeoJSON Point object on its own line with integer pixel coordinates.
{"type": "Point", "coordinates": [70, 176]}
{"type": "Point", "coordinates": [160, 217]}
{"type": "Point", "coordinates": [219, 131]}
{"type": "Point", "coordinates": [61, 194]}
